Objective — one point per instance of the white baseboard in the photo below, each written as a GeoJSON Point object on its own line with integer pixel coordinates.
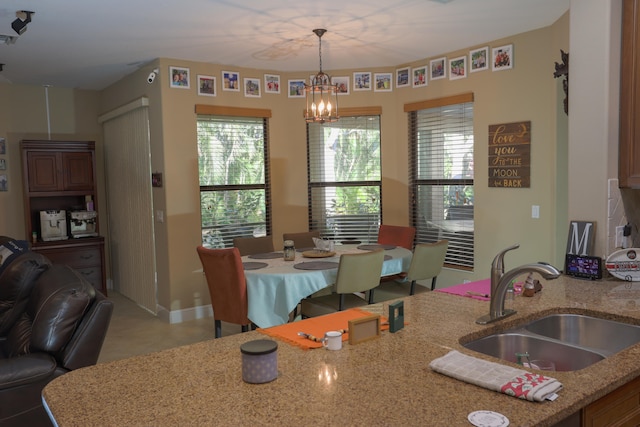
{"type": "Point", "coordinates": [184, 315]}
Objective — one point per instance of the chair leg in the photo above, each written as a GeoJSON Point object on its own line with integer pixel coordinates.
{"type": "Point", "coordinates": [218, 325]}
{"type": "Point", "coordinates": [433, 283]}
{"type": "Point", "coordinates": [370, 296]}
{"type": "Point", "coordinates": [412, 290]}
{"type": "Point", "coordinates": [341, 303]}
{"type": "Point", "coordinates": [245, 328]}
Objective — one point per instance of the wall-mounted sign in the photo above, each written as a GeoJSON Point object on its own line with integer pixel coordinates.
{"type": "Point", "coordinates": [510, 155]}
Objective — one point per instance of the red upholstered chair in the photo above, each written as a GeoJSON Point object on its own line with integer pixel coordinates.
{"type": "Point", "coordinates": [227, 286]}
{"type": "Point", "coordinates": [396, 235]}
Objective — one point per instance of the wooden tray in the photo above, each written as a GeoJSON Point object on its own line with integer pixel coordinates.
{"type": "Point", "coordinates": [317, 254]}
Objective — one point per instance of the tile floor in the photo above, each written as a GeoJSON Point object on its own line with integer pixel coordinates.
{"type": "Point", "coordinates": [134, 331]}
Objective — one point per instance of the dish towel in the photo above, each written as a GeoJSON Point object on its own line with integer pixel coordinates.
{"type": "Point", "coordinates": [497, 377]}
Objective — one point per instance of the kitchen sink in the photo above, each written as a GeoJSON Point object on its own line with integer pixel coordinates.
{"type": "Point", "coordinates": [605, 335]}
{"type": "Point", "coordinates": [505, 346]}
{"type": "Point", "coordinates": [571, 341]}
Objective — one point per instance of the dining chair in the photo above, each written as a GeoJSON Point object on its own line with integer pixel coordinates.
{"type": "Point", "coordinates": [227, 286]}
{"type": "Point", "coordinates": [253, 245]}
{"type": "Point", "coordinates": [302, 240]}
{"type": "Point", "coordinates": [396, 235]}
{"type": "Point", "coordinates": [426, 263]}
{"type": "Point", "coordinates": [357, 274]}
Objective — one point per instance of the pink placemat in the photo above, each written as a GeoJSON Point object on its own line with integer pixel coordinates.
{"type": "Point", "coordinates": [479, 287]}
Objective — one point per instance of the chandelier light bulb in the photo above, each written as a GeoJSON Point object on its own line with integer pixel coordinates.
{"type": "Point", "coordinates": [321, 107]}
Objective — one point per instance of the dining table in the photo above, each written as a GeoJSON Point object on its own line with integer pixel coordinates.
{"type": "Point", "coordinates": [275, 286]}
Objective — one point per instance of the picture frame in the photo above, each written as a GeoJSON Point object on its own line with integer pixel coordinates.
{"type": "Point", "coordinates": [479, 59]}
{"type": "Point", "coordinates": [206, 85]}
{"type": "Point", "coordinates": [3, 146]}
{"type": "Point", "coordinates": [231, 81]}
{"type": "Point", "coordinates": [419, 76]}
{"type": "Point", "coordinates": [271, 83]}
{"type": "Point", "coordinates": [361, 80]}
{"type": "Point", "coordinates": [252, 87]}
{"type": "Point", "coordinates": [342, 83]}
{"type": "Point", "coordinates": [383, 82]}
{"type": "Point", "coordinates": [502, 58]}
{"type": "Point", "coordinates": [4, 183]}
{"type": "Point", "coordinates": [296, 88]}
{"type": "Point", "coordinates": [402, 77]}
{"type": "Point", "coordinates": [438, 68]}
{"type": "Point", "coordinates": [180, 78]}
{"type": "Point", "coordinates": [458, 68]}
{"type": "Point", "coordinates": [364, 329]}
{"type": "Point", "coordinates": [3, 164]}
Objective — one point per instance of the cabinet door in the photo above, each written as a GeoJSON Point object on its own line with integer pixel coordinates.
{"type": "Point", "coordinates": [629, 157]}
{"type": "Point", "coordinates": [43, 171]}
{"type": "Point", "coordinates": [78, 171]}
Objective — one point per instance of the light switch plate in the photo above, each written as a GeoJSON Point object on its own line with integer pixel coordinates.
{"type": "Point", "coordinates": [535, 211]}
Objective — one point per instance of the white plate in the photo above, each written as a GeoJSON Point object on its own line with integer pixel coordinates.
{"type": "Point", "coordinates": [488, 419]}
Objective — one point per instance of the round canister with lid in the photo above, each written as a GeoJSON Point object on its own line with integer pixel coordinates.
{"type": "Point", "coordinates": [259, 361]}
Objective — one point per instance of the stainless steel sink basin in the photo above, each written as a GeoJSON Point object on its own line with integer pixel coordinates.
{"type": "Point", "coordinates": [505, 346]}
{"type": "Point", "coordinates": [571, 341]}
{"type": "Point", "coordinates": [585, 331]}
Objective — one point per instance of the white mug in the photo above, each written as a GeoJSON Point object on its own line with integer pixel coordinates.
{"type": "Point", "coordinates": [332, 340]}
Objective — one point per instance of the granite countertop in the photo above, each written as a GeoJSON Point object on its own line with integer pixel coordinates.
{"type": "Point", "coordinates": [380, 382]}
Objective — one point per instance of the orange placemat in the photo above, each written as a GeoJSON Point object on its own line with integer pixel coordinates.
{"type": "Point", "coordinates": [317, 326]}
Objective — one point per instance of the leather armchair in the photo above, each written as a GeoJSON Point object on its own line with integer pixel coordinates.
{"type": "Point", "coordinates": [59, 327]}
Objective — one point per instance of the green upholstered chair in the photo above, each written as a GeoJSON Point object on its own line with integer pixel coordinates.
{"type": "Point", "coordinates": [253, 245]}
{"type": "Point", "coordinates": [357, 274]}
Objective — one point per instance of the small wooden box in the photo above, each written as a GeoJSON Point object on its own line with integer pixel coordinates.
{"type": "Point", "coordinates": [364, 329]}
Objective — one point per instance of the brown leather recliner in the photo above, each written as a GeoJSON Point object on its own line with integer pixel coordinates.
{"type": "Point", "coordinates": [60, 327]}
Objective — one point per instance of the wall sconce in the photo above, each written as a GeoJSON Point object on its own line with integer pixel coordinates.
{"type": "Point", "coordinates": [20, 25]}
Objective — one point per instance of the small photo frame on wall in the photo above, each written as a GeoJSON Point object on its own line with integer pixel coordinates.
{"type": "Point", "coordinates": [402, 77]}
{"type": "Point", "coordinates": [419, 76]}
{"type": "Point", "coordinates": [438, 68]}
{"type": "Point", "coordinates": [3, 164]}
{"type": "Point", "coordinates": [252, 88]}
{"type": "Point", "coordinates": [296, 89]}
{"type": "Point", "coordinates": [383, 82]}
{"type": "Point", "coordinates": [502, 57]}
{"type": "Point", "coordinates": [479, 59]}
{"type": "Point", "coordinates": [458, 68]}
{"type": "Point", "coordinates": [4, 183]}
{"type": "Point", "coordinates": [361, 81]}
{"type": "Point", "coordinates": [179, 77]}
{"type": "Point", "coordinates": [231, 81]}
{"type": "Point", "coordinates": [342, 83]}
{"type": "Point", "coordinates": [206, 85]}
{"type": "Point", "coordinates": [271, 83]}
{"type": "Point", "coordinates": [3, 146]}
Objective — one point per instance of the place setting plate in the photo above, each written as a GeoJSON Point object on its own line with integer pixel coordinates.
{"type": "Point", "coordinates": [254, 265]}
{"type": "Point", "coordinates": [268, 255]}
{"type": "Point", "coordinates": [316, 253]}
{"type": "Point", "coordinates": [375, 247]}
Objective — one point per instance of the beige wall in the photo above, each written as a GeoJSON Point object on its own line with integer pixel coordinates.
{"type": "Point", "coordinates": [503, 216]}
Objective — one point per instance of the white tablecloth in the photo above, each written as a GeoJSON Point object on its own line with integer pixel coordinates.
{"type": "Point", "coordinates": [274, 291]}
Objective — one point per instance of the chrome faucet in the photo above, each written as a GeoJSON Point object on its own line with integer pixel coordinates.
{"type": "Point", "coordinates": [500, 283]}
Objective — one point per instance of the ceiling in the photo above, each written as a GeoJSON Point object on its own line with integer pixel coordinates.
{"type": "Point", "coordinates": [92, 44]}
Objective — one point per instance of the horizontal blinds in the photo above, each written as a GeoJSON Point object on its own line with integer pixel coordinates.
{"type": "Point", "coordinates": [344, 178]}
{"type": "Point", "coordinates": [234, 178]}
{"type": "Point", "coordinates": [441, 176]}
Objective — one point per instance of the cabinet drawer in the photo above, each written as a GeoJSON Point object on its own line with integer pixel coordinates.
{"type": "Point", "coordinates": [93, 275]}
{"type": "Point", "coordinates": [76, 258]}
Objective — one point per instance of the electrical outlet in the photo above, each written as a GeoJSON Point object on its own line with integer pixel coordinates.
{"type": "Point", "coordinates": [619, 236]}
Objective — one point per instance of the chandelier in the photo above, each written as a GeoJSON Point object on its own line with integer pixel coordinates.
{"type": "Point", "coordinates": [322, 96]}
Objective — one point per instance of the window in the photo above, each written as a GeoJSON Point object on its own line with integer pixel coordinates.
{"type": "Point", "coordinates": [344, 177]}
{"type": "Point", "coordinates": [441, 175]}
{"type": "Point", "coordinates": [234, 179]}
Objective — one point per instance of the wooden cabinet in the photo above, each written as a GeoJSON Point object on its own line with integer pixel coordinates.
{"type": "Point", "coordinates": [621, 407]}
{"type": "Point", "coordinates": [60, 175]}
{"type": "Point", "coordinates": [629, 156]}
{"type": "Point", "coordinates": [56, 171]}
{"type": "Point", "coordinates": [85, 255]}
